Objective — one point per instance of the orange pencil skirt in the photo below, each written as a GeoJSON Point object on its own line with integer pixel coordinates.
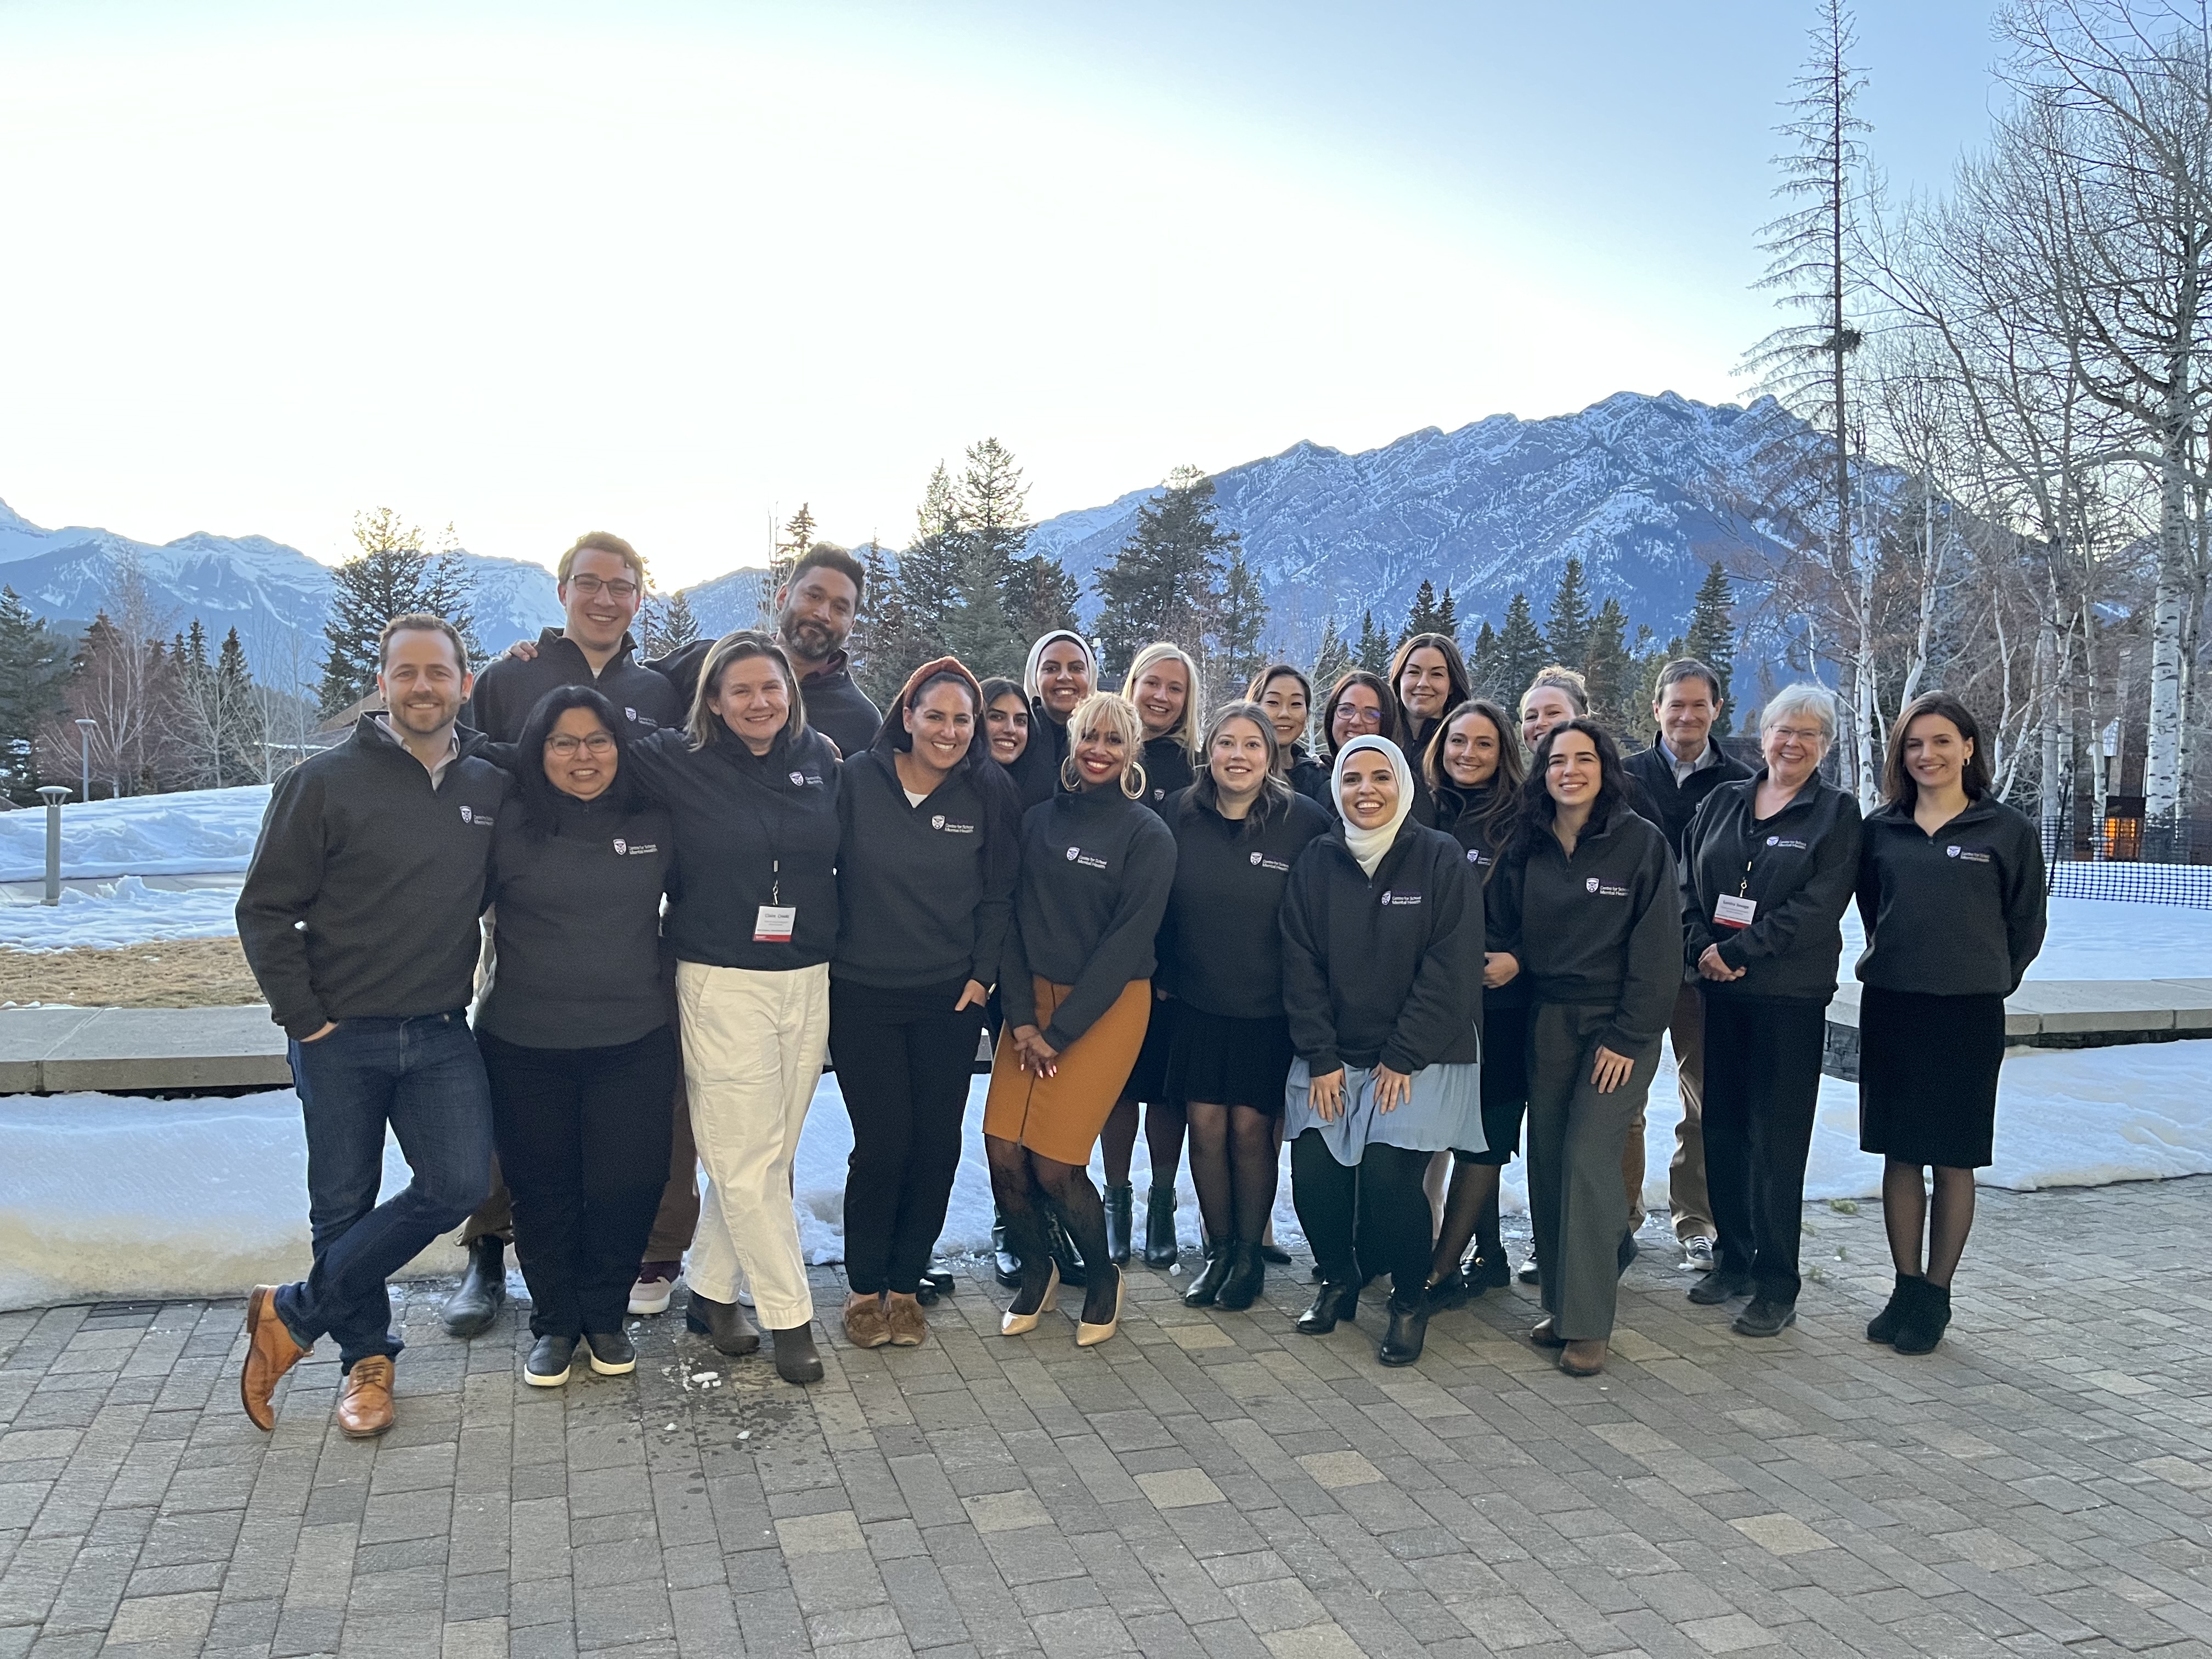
{"type": "Point", "coordinates": [1059, 1116]}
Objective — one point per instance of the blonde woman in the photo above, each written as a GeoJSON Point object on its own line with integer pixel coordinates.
{"type": "Point", "coordinates": [1076, 984]}
{"type": "Point", "coordinates": [1162, 685]}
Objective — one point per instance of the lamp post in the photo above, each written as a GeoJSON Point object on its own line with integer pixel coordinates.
{"type": "Point", "coordinates": [53, 794]}
{"type": "Point", "coordinates": [84, 727]}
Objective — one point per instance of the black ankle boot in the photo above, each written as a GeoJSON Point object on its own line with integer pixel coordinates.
{"type": "Point", "coordinates": [470, 1310]}
{"type": "Point", "coordinates": [1449, 1292]}
{"type": "Point", "coordinates": [1885, 1325]}
{"type": "Point", "coordinates": [1065, 1253]}
{"type": "Point", "coordinates": [796, 1360]}
{"type": "Point", "coordinates": [723, 1324]}
{"type": "Point", "coordinates": [1220, 1259]}
{"type": "Point", "coordinates": [1004, 1261]}
{"type": "Point", "coordinates": [1331, 1303]}
{"type": "Point", "coordinates": [1409, 1328]}
{"type": "Point", "coordinates": [1925, 1320]}
{"type": "Point", "coordinates": [1159, 1226]}
{"type": "Point", "coordinates": [1121, 1208]}
{"type": "Point", "coordinates": [1247, 1274]}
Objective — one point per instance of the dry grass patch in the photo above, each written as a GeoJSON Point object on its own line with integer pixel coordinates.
{"type": "Point", "coordinates": [177, 973]}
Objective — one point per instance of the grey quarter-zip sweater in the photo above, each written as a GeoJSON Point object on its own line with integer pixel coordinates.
{"type": "Point", "coordinates": [362, 897]}
{"type": "Point", "coordinates": [1959, 912]}
{"type": "Point", "coordinates": [1798, 868]}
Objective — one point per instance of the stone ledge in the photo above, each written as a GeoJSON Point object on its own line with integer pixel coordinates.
{"type": "Point", "coordinates": [135, 1050]}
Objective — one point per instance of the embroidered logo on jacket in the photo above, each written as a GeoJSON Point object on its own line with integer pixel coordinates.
{"type": "Point", "coordinates": [621, 846]}
{"type": "Point", "coordinates": [798, 780]}
{"type": "Point", "coordinates": [1590, 886]}
{"type": "Point", "coordinates": [473, 816]}
{"type": "Point", "coordinates": [1262, 861]}
{"type": "Point", "coordinates": [1968, 854]}
{"type": "Point", "coordinates": [937, 822]}
{"type": "Point", "coordinates": [1391, 898]}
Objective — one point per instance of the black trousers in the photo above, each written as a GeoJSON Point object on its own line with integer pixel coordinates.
{"type": "Point", "coordinates": [1762, 1087]}
{"type": "Point", "coordinates": [1366, 1220]}
{"type": "Point", "coordinates": [583, 1135]}
{"type": "Point", "coordinates": [903, 1061]}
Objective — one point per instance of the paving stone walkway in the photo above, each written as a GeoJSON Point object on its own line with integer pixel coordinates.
{"type": "Point", "coordinates": [1206, 1483]}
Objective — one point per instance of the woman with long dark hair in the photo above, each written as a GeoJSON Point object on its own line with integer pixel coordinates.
{"type": "Point", "coordinates": [1076, 982]}
{"type": "Point", "coordinates": [1475, 774]}
{"type": "Point", "coordinates": [1286, 694]}
{"type": "Point", "coordinates": [579, 860]}
{"type": "Point", "coordinates": [1768, 863]}
{"type": "Point", "coordinates": [924, 886]}
{"type": "Point", "coordinates": [1382, 944]}
{"type": "Point", "coordinates": [1359, 705]}
{"type": "Point", "coordinates": [1006, 721]}
{"type": "Point", "coordinates": [1589, 909]}
{"type": "Point", "coordinates": [1429, 677]}
{"type": "Point", "coordinates": [1058, 675]}
{"type": "Point", "coordinates": [1162, 686]}
{"type": "Point", "coordinates": [1951, 895]}
{"type": "Point", "coordinates": [1238, 831]}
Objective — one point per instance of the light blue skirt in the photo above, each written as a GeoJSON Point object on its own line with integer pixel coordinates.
{"type": "Point", "coordinates": [1444, 1113]}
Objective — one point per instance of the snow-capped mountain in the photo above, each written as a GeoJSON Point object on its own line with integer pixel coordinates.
{"type": "Point", "coordinates": [275, 596]}
{"type": "Point", "coordinates": [1648, 491]}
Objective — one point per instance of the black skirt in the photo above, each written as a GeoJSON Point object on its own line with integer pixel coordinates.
{"type": "Point", "coordinates": [1148, 1078]}
{"type": "Point", "coordinates": [1504, 1083]}
{"type": "Point", "coordinates": [1927, 1077]}
{"type": "Point", "coordinates": [1229, 1062]}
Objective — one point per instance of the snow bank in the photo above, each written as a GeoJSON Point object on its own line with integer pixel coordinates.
{"type": "Point", "coordinates": [107, 1198]}
{"type": "Point", "coordinates": [193, 832]}
{"type": "Point", "coordinates": [2103, 938]}
{"type": "Point", "coordinates": [123, 912]}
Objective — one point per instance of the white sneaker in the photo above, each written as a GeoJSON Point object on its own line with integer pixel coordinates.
{"type": "Point", "coordinates": [656, 1284]}
{"type": "Point", "coordinates": [1698, 1253]}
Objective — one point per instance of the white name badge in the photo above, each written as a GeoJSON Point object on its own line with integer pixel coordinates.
{"type": "Point", "coordinates": [773, 925]}
{"type": "Point", "coordinates": [1731, 910]}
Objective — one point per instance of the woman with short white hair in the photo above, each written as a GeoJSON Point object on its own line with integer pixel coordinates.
{"type": "Point", "coordinates": [1769, 863]}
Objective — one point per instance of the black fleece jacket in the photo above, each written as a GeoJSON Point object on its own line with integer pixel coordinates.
{"type": "Point", "coordinates": [1602, 929]}
{"type": "Point", "coordinates": [1220, 945]}
{"type": "Point", "coordinates": [509, 688]}
{"type": "Point", "coordinates": [751, 830]}
{"type": "Point", "coordinates": [1676, 803]}
{"type": "Point", "coordinates": [834, 706]}
{"type": "Point", "coordinates": [1036, 770]}
{"type": "Point", "coordinates": [1308, 775]}
{"type": "Point", "coordinates": [1959, 912]}
{"type": "Point", "coordinates": [1167, 772]}
{"type": "Point", "coordinates": [1096, 871]}
{"type": "Point", "coordinates": [1459, 812]}
{"type": "Point", "coordinates": [1799, 868]}
{"type": "Point", "coordinates": [576, 927]}
{"type": "Point", "coordinates": [1384, 968]}
{"type": "Point", "coordinates": [925, 892]}
{"type": "Point", "coordinates": [362, 897]}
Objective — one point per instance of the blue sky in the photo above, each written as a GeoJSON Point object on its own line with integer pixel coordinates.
{"type": "Point", "coordinates": [670, 268]}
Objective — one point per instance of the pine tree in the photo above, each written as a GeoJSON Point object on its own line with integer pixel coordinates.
{"type": "Point", "coordinates": [1448, 616]}
{"type": "Point", "coordinates": [1711, 638]}
{"type": "Point", "coordinates": [929, 570]}
{"type": "Point", "coordinates": [35, 665]}
{"type": "Point", "coordinates": [390, 576]}
{"type": "Point", "coordinates": [678, 627]}
{"type": "Point", "coordinates": [1520, 651]}
{"type": "Point", "coordinates": [1485, 667]}
{"type": "Point", "coordinates": [1609, 673]}
{"type": "Point", "coordinates": [1239, 620]}
{"type": "Point", "coordinates": [1165, 582]}
{"type": "Point", "coordinates": [1567, 631]}
{"type": "Point", "coordinates": [1332, 659]}
{"type": "Point", "coordinates": [1040, 597]}
{"type": "Point", "coordinates": [1373, 651]}
{"type": "Point", "coordinates": [795, 541]}
{"type": "Point", "coordinates": [879, 641]}
{"type": "Point", "coordinates": [1424, 617]}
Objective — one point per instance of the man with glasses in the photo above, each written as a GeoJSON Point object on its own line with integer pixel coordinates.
{"type": "Point", "coordinates": [602, 583]}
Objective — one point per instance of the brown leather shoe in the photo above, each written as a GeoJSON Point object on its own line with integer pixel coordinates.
{"type": "Point", "coordinates": [270, 1353]}
{"type": "Point", "coordinates": [865, 1325]}
{"type": "Point", "coordinates": [1585, 1358]}
{"type": "Point", "coordinates": [365, 1401]}
{"type": "Point", "coordinates": [910, 1329]}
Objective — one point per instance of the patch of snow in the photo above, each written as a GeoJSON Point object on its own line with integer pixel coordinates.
{"type": "Point", "coordinates": [192, 832]}
{"type": "Point", "coordinates": [122, 912]}
{"type": "Point", "coordinates": [2104, 938]}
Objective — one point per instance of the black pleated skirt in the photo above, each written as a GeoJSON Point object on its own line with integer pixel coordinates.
{"type": "Point", "coordinates": [1148, 1078]}
{"type": "Point", "coordinates": [1229, 1062]}
{"type": "Point", "coordinates": [1927, 1077]}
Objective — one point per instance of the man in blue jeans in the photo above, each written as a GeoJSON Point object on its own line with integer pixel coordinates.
{"type": "Point", "coordinates": [359, 919]}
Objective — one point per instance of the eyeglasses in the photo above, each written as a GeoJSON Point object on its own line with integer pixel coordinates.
{"type": "Point", "coordinates": [1359, 716]}
{"type": "Point", "coordinates": [1798, 733]}
{"type": "Point", "coordinates": [592, 587]}
{"type": "Point", "coordinates": [598, 746]}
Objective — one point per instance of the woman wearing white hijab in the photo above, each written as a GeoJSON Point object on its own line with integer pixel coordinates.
{"type": "Point", "coordinates": [1059, 674]}
{"type": "Point", "coordinates": [1382, 956]}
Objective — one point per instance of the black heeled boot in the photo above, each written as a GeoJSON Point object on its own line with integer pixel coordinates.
{"type": "Point", "coordinates": [470, 1310]}
{"type": "Point", "coordinates": [1332, 1302]}
{"type": "Point", "coordinates": [1065, 1253]}
{"type": "Point", "coordinates": [1004, 1261]}
{"type": "Point", "coordinates": [1220, 1261]}
{"type": "Point", "coordinates": [796, 1359]}
{"type": "Point", "coordinates": [1247, 1274]}
{"type": "Point", "coordinates": [1409, 1330]}
{"type": "Point", "coordinates": [1159, 1226]}
{"type": "Point", "coordinates": [723, 1324]}
{"type": "Point", "coordinates": [1926, 1319]}
{"type": "Point", "coordinates": [1885, 1325]}
{"type": "Point", "coordinates": [1120, 1217]}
